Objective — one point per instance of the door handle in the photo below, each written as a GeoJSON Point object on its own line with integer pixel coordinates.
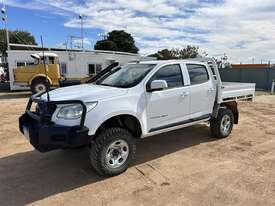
{"type": "Point", "coordinates": [184, 94]}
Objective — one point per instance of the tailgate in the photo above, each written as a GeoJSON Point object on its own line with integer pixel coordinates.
{"type": "Point", "coordinates": [233, 91]}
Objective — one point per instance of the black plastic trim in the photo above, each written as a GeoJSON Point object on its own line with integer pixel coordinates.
{"type": "Point", "coordinates": [180, 123]}
{"type": "Point", "coordinates": [45, 135]}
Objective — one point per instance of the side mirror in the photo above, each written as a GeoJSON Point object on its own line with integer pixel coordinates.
{"type": "Point", "coordinates": [157, 85]}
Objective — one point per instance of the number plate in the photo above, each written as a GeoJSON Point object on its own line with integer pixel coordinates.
{"type": "Point", "coordinates": [26, 133]}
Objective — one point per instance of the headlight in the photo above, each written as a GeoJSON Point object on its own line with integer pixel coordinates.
{"type": "Point", "coordinates": [74, 111]}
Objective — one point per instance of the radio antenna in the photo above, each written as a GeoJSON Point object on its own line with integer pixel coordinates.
{"type": "Point", "coordinates": [45, 69]}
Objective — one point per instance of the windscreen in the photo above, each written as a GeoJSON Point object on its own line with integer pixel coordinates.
{"type": "Point", "coordinates": [127, 76]}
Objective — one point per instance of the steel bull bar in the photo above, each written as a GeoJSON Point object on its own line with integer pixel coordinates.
{"type": "Point", "coordinates": [44, 134]}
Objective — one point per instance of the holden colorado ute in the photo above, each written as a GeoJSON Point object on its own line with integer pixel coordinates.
{"type": "Point", "coordinates": [123, 104]}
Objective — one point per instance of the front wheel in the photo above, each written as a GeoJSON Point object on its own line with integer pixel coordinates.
{"type": "Point", "coordinates": [112, 151]}
{"type": "Point", "coordinates": [222, 126]}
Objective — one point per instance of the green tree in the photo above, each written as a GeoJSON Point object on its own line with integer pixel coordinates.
{"type": "Point", "coordinates": [17, 37]}
{"type": "Point", "coordinates": [106, 45]}
{"type": "Point", "coordinates": [117, 40]}
{"type": "Point", "coordinates": [164, 54]}
{"type": "Point", "coordinates": [184, 53]}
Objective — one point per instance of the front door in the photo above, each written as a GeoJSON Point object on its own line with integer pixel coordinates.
{"type": "Point", "coordinates": [168, 107]}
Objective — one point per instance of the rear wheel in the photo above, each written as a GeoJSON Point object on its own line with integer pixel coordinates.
{"type": "Point", "coordinates": [221, 126]}
{"type": "Point", "coordinates": [112, 151]}
{"type": "Point", "coordinates": [39, 85]}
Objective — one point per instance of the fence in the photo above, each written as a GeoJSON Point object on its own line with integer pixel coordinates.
{"type": "Point", "coordinates": [262, 77]}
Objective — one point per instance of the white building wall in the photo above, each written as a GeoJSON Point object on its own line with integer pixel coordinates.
{"type": "Point", "coordinates": [77, 62]}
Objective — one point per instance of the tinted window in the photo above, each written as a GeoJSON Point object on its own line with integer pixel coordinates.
{"type": "Point", "coordinates": [171, 74]}
{"type": "Point", "coordinates": [197, 73]}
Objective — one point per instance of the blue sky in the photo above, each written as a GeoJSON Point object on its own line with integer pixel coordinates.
{"type": "Point", "coordinates": [244, 30]}
{"type": "Point", "coordinates": [49, 25]}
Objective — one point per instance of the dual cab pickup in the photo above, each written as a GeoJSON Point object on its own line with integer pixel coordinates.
{"type": "Point", "coordinates": [123, 104]}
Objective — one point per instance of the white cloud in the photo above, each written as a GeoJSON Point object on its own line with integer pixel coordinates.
{"type": "Point", "coordinates": [241, 29]}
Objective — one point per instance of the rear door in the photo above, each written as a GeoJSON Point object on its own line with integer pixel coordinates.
{"type": "Point", "coordinates": [170, 106]}
{"type": "Point", "coordinates": [202, 90]}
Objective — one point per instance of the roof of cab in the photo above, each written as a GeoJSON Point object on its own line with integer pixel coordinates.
{"type": "Point", "coordinates": [161, 62]}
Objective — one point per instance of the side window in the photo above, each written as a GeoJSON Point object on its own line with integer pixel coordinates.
{"type": "Point", "coordinates": [198, 73]}
{"type": "Point", "coordinates": [20, 64]}
{"type": "Point", "coordinates": [51, 60]}
{"type": "Point", "coordinates": [171, 74]}
{"type": "Point", "coordinates": [46, 60]}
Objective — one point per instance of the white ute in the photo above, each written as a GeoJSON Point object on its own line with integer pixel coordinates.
{"type": "Point", "coordinates": [123, 104]}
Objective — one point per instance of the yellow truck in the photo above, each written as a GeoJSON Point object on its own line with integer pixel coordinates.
{"type": "Point", "coordinates": [36, 76]}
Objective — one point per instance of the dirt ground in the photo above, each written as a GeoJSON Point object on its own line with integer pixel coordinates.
{"type": "Point", "coordinates": [185, 167]}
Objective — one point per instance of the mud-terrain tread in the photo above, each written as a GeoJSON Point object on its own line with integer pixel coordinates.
{"type": "Point", "coordinates": [215, 123]}
{"type": "Point", "coordinates": [101, 143]}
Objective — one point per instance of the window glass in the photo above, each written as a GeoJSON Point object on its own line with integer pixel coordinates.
{"type": "Point", "coordinates": [20, 64]}
{"type": "Point", "coordinates": [91, 69]}
{"type": "Point", "coordinates": [171, 74]}
{"type": "Point", "coordinates": [51, 60]}
{"type": "Point", "coordinates": [198, 73]}
{"type": "Point", "coordinates": [46, 60]}
{"type": "Point", "coordinates": [127, 76]}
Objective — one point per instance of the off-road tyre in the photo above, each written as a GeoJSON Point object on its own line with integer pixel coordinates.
{"type": "Point", "coordinates": [98, 151]}
{"type": "Point", "coordinates": [217, 124]}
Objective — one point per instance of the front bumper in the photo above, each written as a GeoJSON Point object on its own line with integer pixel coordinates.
{"type": "Point", "coordinates": [45, 135]}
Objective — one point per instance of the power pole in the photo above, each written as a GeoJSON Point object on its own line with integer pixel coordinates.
{"type": "Point", "coordinates": [82, 34]}
{"type": "Point", "coordinates": [72, 39]}
{"type": "Point", "coordinates": [5, 19]}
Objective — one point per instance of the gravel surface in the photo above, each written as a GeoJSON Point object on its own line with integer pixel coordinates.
{"type": "Point", "coordinates": [184, 167]}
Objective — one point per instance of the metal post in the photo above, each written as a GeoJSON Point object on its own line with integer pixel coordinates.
{"type": "Point", "coordinates": [82, 35]}
{"type": "Point", "coordinates": [71, 38]}
{"type": "Point", "coordinates": [7, 34]}
{"type": "Point", "coordinates": [5, 19]}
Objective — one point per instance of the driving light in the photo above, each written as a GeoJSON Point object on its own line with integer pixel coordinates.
{"type": "Point", "coordinates": [74, 111]}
